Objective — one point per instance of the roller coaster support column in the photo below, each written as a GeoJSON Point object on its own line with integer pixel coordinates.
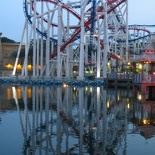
{"type": "Point", "coordinates": [127, 49]}
{"type": "Point", "coordinates": [106, 44]}
{"type": "Point", "coordinates": [34, 40]}
{"type": "Point", "coordinates": [59, 69]}
{"type": "Point", "coordinates": [48, 48]}
{"type": "Point", "coordinates": [81, 63]}
{"type": "Point", "coordinates": [68, 68]}
{"type": "Point", "coordinates": [26, 48]}
{"type": "Point", "coordinates": [41, 42]}
{"type": "Point", "coordinates": [18, 53]}
{"type": "Point", "coordinates": [98, 54]}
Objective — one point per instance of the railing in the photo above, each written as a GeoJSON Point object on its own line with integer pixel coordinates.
{"type": "Point", "coordinates": [137, 78]}
{"type": "Point", "coordinates": [145, 78]}
{"type": "Point", "coordinates": [120, 76]}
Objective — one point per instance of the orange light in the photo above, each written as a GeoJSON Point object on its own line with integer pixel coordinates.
{"type": "Point", "coordinates": [29, 67]}
{"type": "Point", "coordinates": [19, 66]}
{"type": "Point", "coordinates": [9, 66]}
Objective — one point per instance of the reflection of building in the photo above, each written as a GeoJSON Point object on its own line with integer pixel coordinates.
{"type": "Point", "coordinates": [144, 114]}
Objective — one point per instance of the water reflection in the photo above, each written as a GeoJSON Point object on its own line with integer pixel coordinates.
{"type": "Point", "coordinates": [80, 120]}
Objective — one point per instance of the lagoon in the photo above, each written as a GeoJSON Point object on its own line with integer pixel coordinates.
{"type": "Point", "coordinates": [70, 120]}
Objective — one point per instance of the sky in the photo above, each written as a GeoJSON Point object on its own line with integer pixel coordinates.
{"type": "Point", "coordinates": [12, 16]}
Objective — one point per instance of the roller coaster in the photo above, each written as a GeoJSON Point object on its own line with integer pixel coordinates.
{"type": "Point", "coordinates": [72, 39]}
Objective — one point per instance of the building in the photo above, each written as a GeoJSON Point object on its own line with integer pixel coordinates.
{"type": "Point", "coordinates": [7, 59]}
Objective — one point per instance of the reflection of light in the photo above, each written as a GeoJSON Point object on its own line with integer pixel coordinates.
{"type": "Point", "coordinates": [98, 90]}
{"type": "Point", "coordinates": [118, 98]}
{"type": "Point", "coordinates": [94, 128]}
{"type": "Point", "coordinates": [8, 93]}
{"type": "Point", "coordinates": [19, 93]}
{"type": "Point", "coordinates": [91, 89]}
{"type": "Point", "coordinates": [29, 92]}
{"type": "Point", "coordinates": [86, 88]}
{"type": "Point", "coordinates": [108, 104]}
{"type": "Point", "coordinates": [128, 106]}
{"type": "Point", "coordinates": [14, 95]}
{"type": "Point", "coordinates": [65, 85]}
{"type": "Point", "coordinates": [74, 88]}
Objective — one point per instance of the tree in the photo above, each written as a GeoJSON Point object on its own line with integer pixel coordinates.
{"type": "Point", "coordinates": [7, 40]}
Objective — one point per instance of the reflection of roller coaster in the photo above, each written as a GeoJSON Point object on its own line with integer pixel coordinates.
{"type": "Point", "coordinates": [67, 120]}
{"type": "Point", "coordinates": [79, 35]}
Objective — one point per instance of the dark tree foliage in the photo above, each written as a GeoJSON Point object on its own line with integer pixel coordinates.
{"type": "Point", "coordinates": [7, 40]}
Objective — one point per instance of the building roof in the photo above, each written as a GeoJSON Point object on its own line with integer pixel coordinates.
{"type": "Point", "coordinates": [147, 56]}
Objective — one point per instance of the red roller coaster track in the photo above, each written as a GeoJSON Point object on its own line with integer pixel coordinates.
{"type": "Point", "coordinates": [86, 23]}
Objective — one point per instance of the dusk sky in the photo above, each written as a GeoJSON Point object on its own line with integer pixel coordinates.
{"type": "Point", "coordinates": [12, 16]}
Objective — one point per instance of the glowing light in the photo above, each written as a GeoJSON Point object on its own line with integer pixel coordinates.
{"type": "Point", "coordinates": [108, 64]}
{"type": "Point", "coordinates": [144, 121]}
{"type": "Point", "coordinates": [9, 66]}
{"type": "Point", "coordinates": [139, 97]}
{"type": "Point", "coordinates": [108, 104]}
{"type": "Point", "coordinates": [65, 85]}
{"type": "Point", "coordinates": [128, 106]}
{"type": "Point", "coordinates": [140, 66]}
{"type": "Point", "coordinates": [29, 67]}
{"type": "Point", "coordinates": [19, 66]}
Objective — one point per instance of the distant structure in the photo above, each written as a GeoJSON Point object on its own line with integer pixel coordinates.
{"type": "Point", "coordinates": [6, 57]}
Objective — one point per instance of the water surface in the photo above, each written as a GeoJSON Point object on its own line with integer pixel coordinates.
{"type": "Point", "coordinates": [75, 120]}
